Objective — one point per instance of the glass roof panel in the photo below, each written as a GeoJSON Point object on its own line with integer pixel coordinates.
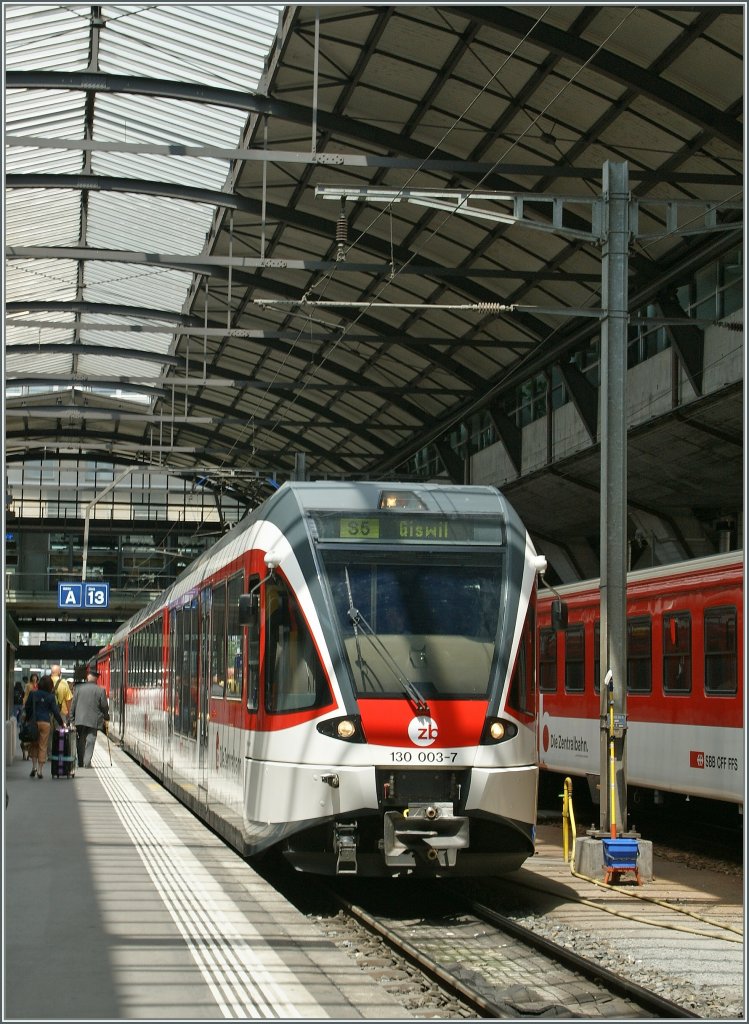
{"type": "Point", "coordinates": [222, 45]}
{"type": "Point", "coordinates": [42, 217]}
{"type": "Point", "coordinates": [44, 36]}
{"type": "Point", "coordinates": [213, 44]}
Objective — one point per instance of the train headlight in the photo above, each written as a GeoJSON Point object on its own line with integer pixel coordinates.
{"type": "Point", "coordinates": [496, 730]}
{"type": "Point", "coordinates": [347, 728]}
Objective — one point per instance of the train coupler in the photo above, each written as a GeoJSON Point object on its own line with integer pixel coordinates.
{"type": "Point", "coordinates": [430, 832]}
{"type": "Point", "coordinates": [346, 841]}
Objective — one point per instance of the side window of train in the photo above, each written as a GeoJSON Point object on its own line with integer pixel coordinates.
{"type": "Point", "coordinates": [186, 641]}
{"type": "Point", "coordinates": [521, 685]}
{"type": "Point", "coordinates": [218, 640]}
{"type": "Point", "coordinates": [721, 661]}
{"type": "Point", "coordinates": [639, 655]}
{"type": "Point", "coordinates": [294, 678]}
{"type": "Point", "coordinates": [547, 661]}
{"type": "Point", "coordinates": [677, 652]}
{"type": "Point", "coordinates": [253, 652]}
{"type": "Point", "coordinates": [597, 656]}
{"type": "Point", "coordinates": [234, 640]}
{"type": "Point", "coordinates": [574, 659]}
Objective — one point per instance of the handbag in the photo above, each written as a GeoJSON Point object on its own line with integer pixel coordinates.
{"type": "Point", "coordinates": [29, 731]}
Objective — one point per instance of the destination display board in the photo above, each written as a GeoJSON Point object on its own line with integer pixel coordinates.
{"type": "Point", "coordinates": [415, 528]}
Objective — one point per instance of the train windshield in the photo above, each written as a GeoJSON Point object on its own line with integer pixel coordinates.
{"type": "Point", "coordinates": [423, 626]}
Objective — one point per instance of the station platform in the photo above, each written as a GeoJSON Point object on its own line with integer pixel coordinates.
{"type": "Point", "coordinates": [120, 904]}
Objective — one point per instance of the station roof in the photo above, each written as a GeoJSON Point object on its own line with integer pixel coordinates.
{"type": "Point", "coordinates": [199, 269]}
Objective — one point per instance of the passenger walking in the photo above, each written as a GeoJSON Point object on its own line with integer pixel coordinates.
{"type": "Point", "coordinates": [18, 698]}
{"type": "Point", "coordinates": [42, 706]}
{"type": "Point", "coordinates": [89, 712]}
{"type": "Point", "coordinates": [63, 693]}
{"type": "Point", "coordinates": [64, 696]}
{"type": "Point", "coordinates": [33, 684]}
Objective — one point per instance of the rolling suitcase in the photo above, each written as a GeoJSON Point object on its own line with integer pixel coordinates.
{"type": "Point", "coordinates": [64, 757]}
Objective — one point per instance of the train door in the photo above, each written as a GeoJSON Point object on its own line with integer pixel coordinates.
{"type": "Point", "coordinates": [204, 685]}
{"type": "Point", "coordinates": [117, 690]}
{"type": "Point", "coordinates": [171, 675]}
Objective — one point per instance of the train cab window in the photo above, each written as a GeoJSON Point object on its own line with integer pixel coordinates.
{"type": "Point", "coordinates": [547, 661]}
{"type": "Point", "coordinates": [218, 640]}
{"type": "Point", "coordinates": [721, 663]}
{"type": "Point", "coordinates": [234, 640]}
{"type": "Point", "coordinates": [574, 659]}
{"type": "Point", "coordinates": [294, 677]}
{"type": "Point", "coordinates": [639, 655]}
{"type": "Point", "coordinates": [677, 652]}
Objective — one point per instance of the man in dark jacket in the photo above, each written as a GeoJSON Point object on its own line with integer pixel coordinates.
{"type": "Point", "coordinates": [89, 712]}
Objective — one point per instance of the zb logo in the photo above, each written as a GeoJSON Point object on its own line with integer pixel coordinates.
{"type": "Point", "coordinates": [422, 731]}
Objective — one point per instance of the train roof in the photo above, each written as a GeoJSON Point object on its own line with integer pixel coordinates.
{"type": "Point", "coordinates": [693, 568]}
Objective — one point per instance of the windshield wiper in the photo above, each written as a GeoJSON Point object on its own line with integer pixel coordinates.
{"type": "Point", "coordinates": [357, 619]}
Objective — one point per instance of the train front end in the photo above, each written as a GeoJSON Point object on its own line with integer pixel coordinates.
{"type": "Point", "coordinates": [420, 599]}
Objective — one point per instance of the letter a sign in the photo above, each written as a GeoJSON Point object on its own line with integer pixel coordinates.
{"type": "Point", "coordinates": [69, 595]}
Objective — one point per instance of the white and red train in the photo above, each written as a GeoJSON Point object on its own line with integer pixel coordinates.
{"type": "Point", "coordinates": [685, 682]}
{"type": "Point", "coordinates": [347, 676]}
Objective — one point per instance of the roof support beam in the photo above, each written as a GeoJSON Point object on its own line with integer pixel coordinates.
{"type": "Point", "coordinates": [504, 20]}
{"type": "Point", "coordinates": [688, 341]}
{"type": "Point", "coordinates": [284, 156]}
{"type": "Point", "coordinates": [584, 396]}
{"type": "Point", "coordinates": [450, 460]}
{"type": "Point", "coordinates": [240, 334]}
{"type": "Point", "coordinates": [609, 64]}
{"type": "Point", "coordinates": [510, 435]}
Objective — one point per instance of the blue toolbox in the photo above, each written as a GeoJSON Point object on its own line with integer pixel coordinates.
{"type": "Point", "coordinates": [620, 855]}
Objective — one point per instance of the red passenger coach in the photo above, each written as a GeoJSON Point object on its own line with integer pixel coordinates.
{"type": "Point", "coordinates": [685, 687]}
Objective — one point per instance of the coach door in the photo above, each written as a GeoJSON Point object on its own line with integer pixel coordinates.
{"type": "Point", "coordinates": [205, 684]}
{"type": "Point", "coordinates": [117, 690]}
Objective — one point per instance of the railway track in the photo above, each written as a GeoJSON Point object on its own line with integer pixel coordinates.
{"type": "Point", "coordinates": [503, 970]}
{"type": "Point", "coordinates": [473, 956]}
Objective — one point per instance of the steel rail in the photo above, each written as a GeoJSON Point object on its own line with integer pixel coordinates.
{"type": "Point", "coordinates": [649, 1001]}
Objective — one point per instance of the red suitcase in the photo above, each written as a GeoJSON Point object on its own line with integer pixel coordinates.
{"type": "Point", "coordinates": [64, 757]}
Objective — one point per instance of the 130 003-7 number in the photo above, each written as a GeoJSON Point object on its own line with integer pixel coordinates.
{"type": "Point", "coordinates": [423, 756]}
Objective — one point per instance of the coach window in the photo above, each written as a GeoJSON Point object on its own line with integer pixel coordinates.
{"type": "Point", "coordinates": [574, 659]}
{"type": "Point", "coordinates": [597, 656]}
{"type": "Point", "coordinates": [175, 666]}
{"type": "Point", "coordinates": [218, 641]}
{"type": "Point", "coordinates": [234, 661]}
{"type": "Point", "coordinates": [294, 679]}
{"type": "Point", "coordinates": [721, 664]}
{"type": "Point", "coordinates": [677, 653]}
{"type": "Point", "coordinates": [253, 653]}
{"type": "Point", "coordinates": [139, 658]}
{"type": "Point", "coordinates": [188, 720]}
{"type": "Point", "coordinates": [639, 655]}
{"type": "Point", "coordinates": [153, 665]}
{"type": "Point", "coordinates": [547, 661]}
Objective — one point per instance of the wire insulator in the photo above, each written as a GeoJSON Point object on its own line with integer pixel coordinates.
{"type": "Point", "coordinates": [341, 230]}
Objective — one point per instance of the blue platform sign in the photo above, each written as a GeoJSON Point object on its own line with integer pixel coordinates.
{"type": "Point", "coordinates": [82, 595]}
{"type": "Point", "coordinates": [69, 595]}
{"type": "Point", "coordinates": [95, 595]}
